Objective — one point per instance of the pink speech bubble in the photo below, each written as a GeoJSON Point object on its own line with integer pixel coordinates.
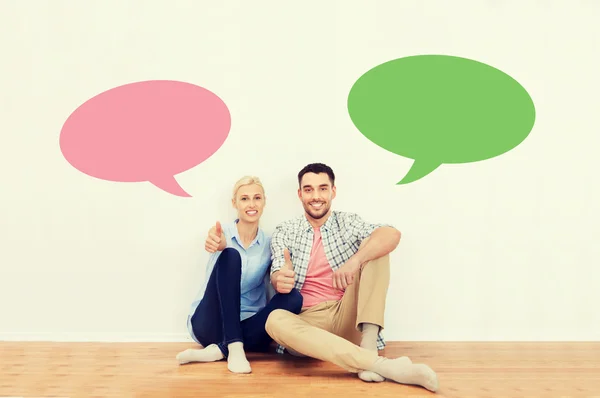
{"type": "Point", "coordinates": [145, 131]}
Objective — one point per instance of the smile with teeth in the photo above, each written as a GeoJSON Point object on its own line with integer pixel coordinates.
{"type": "Point", "coordinates": [317, 205]}
{"type": "Point", "coordinates": [252, 212]}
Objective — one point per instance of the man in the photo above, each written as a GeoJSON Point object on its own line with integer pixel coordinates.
{"type": "Point", "coordinates": [340, 265]}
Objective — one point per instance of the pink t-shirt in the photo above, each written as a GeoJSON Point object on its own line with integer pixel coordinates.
{"type": "Point", "coordinates": [318, 286]}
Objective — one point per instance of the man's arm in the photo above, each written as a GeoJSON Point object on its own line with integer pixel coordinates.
{"type": "Point", "coordinates": [374, 241]}
{"type": "Point", "coordinates": [382, 241]}
{"type": "Point", "coordinates": [274, 279]}
{"type": "Point", "coordinates": [382, 238]}
{"type": "Point", "coordinates": [278, 245]}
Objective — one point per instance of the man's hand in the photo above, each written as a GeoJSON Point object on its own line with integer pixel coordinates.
{"type": "Point", "coordinates": [284, 280]}
{"type": "Point", "coordinates": [216, 239]}
{"type": "Point", "coordinates": [344, 276]}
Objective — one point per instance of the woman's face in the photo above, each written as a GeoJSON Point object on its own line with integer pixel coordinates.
{"type": "Point", "coordinates": [249, 202]}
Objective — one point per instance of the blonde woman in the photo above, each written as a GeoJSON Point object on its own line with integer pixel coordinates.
{"type": "Point", "coordinates": [229, 313]}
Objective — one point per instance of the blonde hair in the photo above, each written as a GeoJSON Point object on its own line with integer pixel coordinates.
{"type": "Point", "coordinates": [247, 180]}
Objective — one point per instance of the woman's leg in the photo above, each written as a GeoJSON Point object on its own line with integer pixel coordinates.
{"type": "Point", "coordinates": [216, 322]}
{"type": "Point", "coordinates": [256, 338]}
{"type": "Point", "coordinates": [217, 318]}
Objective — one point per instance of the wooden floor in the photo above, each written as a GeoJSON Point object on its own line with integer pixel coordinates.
{"type": "Point", "coordinates": [495, 370]}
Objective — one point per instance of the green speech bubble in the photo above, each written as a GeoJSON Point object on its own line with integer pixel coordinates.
{"type": "Point", "coordinates": [440, 109]}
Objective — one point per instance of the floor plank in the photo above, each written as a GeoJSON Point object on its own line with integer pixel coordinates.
{"type": "Point", "coordinates": [495, 370]}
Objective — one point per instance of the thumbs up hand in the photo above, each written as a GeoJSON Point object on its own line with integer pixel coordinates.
{"type": "Point", "coordinates": [285, 276]}
{"type": "Point", "coordinates": [216, 239]}
{"type": "Point", "coordinates": [288, 260]}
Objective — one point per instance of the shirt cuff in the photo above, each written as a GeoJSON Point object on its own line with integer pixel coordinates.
{"type": "Point", "coordinates": [275, 268]}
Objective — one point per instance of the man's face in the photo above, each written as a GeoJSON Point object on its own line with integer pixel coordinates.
{"type": "Point", "coordinates": [316, 194]}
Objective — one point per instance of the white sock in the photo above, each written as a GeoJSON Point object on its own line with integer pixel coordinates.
{"type": "Point", "coordinates": [403, 372]}
{"type": "Point", "coordinates": [369, 342]}
{"type": "Point", "coordinates": [237, 361]}
{"type": "Point", "coordinates": [211, 353]}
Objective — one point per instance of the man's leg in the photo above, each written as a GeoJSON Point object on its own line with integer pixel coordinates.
{"type": "Point", "coordinates": [311, 336]}
{"type": "Point", "coordinates": [319, 316]}
{"type": "Point", "coordinates": [290, 330]}
{"type": "Point", "coordinates": [256, 338]}
{"type": "Point", "coordinates": [359, 317]}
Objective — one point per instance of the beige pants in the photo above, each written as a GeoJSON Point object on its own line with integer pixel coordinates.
{"type": "Point", "coordinates": [330, 331]}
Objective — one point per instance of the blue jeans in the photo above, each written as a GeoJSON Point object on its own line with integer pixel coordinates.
{"type": "Point", "coordinates": [217, 318]}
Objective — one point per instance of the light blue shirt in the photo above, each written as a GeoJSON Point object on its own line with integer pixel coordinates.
{"type": "Point", "coordinates": [255, 284]}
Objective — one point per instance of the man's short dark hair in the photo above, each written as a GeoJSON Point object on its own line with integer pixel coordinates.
{"type": "Point", "coordinates": [317, 168]}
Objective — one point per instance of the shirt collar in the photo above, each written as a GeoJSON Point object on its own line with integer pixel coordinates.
{"type": "Point", "coordinates": [236, 235]}
{"type": "Point", "coordinates": [306, 227]}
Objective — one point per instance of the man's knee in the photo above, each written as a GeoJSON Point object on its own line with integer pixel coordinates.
{"type": "Point", "coordinates": [275, 319]}
{"type": "Point", "coordinates": [379, 262]}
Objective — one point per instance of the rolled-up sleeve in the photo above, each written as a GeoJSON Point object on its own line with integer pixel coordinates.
{"type": "Point", "coordinates": [278, 245]}
{"type": "Point", "coordinates": [360, 228]}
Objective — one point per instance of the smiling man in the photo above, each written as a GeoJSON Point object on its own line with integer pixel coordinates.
{"type": "Point", "coordinates": [340, 264]}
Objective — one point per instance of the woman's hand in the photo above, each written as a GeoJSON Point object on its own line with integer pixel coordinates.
{"type": "Point", "coordinates": [216, 239]}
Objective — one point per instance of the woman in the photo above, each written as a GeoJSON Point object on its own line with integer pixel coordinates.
{"type": "Point", "coordinates": [229, 313]}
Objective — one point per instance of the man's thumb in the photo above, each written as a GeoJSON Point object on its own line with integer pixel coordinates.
{"type": "Point", "coordinates": [288, 259]}
{"type": "Point", "coordinates": [219, 229]}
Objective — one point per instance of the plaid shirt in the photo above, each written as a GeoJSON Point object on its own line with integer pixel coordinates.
{"type": "Point", "coordinates": [342, 235]}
